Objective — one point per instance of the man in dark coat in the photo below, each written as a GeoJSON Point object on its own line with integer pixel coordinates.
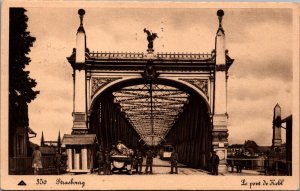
{"type": "Point", "coordinates": [149, 161]}
{"type": "Point", "coordinates": [239, 166]}
{"type": "Point", "coordinates": [214, 160]}
{"type": "Point", "coordinates": [100, 160]}
{"type": "Point", "coordinates": [174, 159]}
{"type": "Point", "coordinates": [266, 165]}
{"type": "Point", "coordinates": [57, 161]}
{"type": "Point", "coordinates": [139, 161]}
{"type": "Point", "coordinates": [107, 165]}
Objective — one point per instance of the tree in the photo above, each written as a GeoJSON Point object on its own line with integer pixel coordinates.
{"type": "Point", "coordinates": [21, 86]}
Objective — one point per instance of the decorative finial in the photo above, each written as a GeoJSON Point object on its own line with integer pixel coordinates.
{"type": "Point", "coordinates": [220, 14]}
{"type": "Point", "coordinates": [150, 38]}
{"type": "Point", "coordinates": [81, 13]}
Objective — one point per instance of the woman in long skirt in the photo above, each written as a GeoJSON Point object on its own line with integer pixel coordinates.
{"type": "Point", "coordinates": [37, 160]}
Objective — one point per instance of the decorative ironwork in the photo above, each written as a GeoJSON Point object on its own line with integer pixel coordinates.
{"type": "Point", "coordinates": [152, 109]}
{"type": "Point", "coordinates": [100, 82]}
{"type": "Point", "coordinates": [159, 55]}
{"type": "Point", "coordinates": [201, 84]}
{"type": "Point", "coordinates": [184, 56]}
{"type": "Point", "coordinates": [79, 66]}
{"type": "Point", "coordinates": [221, 67]}
{"type": "Point", "coordinates": [150, 72]}
{"type": "Point", "coordinates": [117, 55]}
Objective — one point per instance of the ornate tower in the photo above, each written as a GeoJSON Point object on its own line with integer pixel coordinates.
{"type": "Point", "coordinates": [220, 141]}
{"type": "Point", "coordinates": [79, 144]}
{"type": "Point", "coordinates": [42, 139]}
{"type": "Point", "coordinates": [276, 141]}
{"type": "Point", "coordinates": [79, 75]}
{"type": "Point", "coordinates": [59, 140]}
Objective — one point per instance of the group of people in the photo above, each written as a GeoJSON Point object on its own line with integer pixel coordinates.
{"type": "Point", "coordinates": [238, 164]}
{"type": "Point", "coordinates": [149, 162]}
{"type": "Point", "coordinates": [104, 159]}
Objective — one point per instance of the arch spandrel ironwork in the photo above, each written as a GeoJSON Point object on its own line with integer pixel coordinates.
{"type": "Point", "coordinates": [186, 84]}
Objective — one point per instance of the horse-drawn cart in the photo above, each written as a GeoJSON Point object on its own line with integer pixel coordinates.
{"type": "Point", "coordinates": [122, 163]}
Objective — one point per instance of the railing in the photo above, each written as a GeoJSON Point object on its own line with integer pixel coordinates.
{"type": "Point", "coordinates": [160, 55]}
{"type": "Point", "coordinates": [183, 55]}
{"type": "Point", "coordinates": [267, 166]}
{"type": "Point", "coordinates": [23, 165]}
{"type": "Point", "coordinates": [116, 54]}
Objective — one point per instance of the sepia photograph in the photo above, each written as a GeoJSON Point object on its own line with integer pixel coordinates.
{"type": "Point", "coordinates": [149, 95]}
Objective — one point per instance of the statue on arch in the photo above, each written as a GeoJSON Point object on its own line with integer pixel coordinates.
{"type": "Point", "coordinates": [150, 37]}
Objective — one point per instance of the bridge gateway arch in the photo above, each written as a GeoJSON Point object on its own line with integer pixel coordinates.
{"type": "Point", "coordinates": [148, 98]}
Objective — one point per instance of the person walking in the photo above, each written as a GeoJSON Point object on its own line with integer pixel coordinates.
{"type": "Point", "coordinates": [57, 162]}
{"type": "Point", "coordinates": [37, 160]}
{"type": "Point", "coordinates": [100, 160]}
{"type": "Point", "coordinates": [266, 164]}
{"type": "Point", "coordinates": [232, 165]}
{"type": "Point", "coordinates": [139, 157]}
{"type": "Point", "coordinates": [214, 160]}
{"type": "Point", "coordinates": [107, 165]}
{"type": "Point", "coordinates": [239, 166]}
{"type": "Point", "coordinates": [174, 159]}
{"type": "Point", "coordinates": [149, 161]}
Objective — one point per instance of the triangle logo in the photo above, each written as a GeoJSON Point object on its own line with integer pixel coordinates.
{"type": "Point", "coordinates": [22, 183]}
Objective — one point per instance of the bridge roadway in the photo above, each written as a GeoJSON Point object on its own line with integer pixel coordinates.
{"type": "Point", "coordinates": [161, 167]}
{"type": "Point", "coordinates": [164, 167]}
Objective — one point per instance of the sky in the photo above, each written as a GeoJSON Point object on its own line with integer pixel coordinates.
{"type": "Point", "coordinates": [260, 41]}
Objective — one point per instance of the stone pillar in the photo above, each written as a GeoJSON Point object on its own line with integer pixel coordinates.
{"type": "Point", "coordinates": [211, 89]}
{"type": "Point", "coordinates": [76, 160]}
{"type": "Point", "coordinates": [84, 158]}
{"type": "Point", "coordinates": [70, 157]}
{"type": "Point", "coordinates": [79, 114]}
{"type": "Point", "coordinates": [219, 133]}
{"type": "Point", "coordinates": [88, 89]}
{"type": "Point", "coordinates": [88, 93]}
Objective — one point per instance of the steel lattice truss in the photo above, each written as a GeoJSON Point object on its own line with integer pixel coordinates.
{"type": "Point", "coordinates": [152, 109]}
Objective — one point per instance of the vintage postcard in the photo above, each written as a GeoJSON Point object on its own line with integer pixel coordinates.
{"type": "Point", "coordinates": [149, 95]}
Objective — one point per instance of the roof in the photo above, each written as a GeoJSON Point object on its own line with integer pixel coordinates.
{"type": "Point", "coordinates": [264, 148]}
{"type": "Point", "coordinates": [30, 131]}
{"type": "Point", "coordinates": [236, 146]}
{"type": "Point", "coordinates": [288, 118]}
{"type": "Point", "coordinates": [48, 150]}
{"type": "Point", "coordinates": [79, 139]}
